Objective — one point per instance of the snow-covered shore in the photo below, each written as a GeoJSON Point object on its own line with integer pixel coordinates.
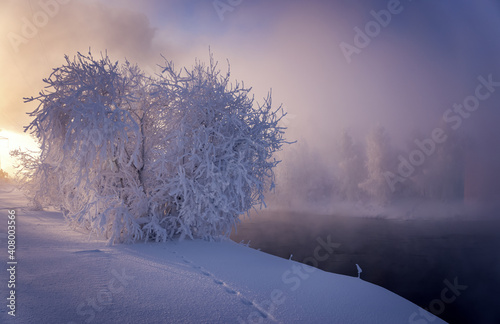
{"type": "Point", "coordinates": [63, 277]}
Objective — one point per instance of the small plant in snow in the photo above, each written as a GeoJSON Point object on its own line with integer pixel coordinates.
{"type": "Point", "coordinates": [359, 270]}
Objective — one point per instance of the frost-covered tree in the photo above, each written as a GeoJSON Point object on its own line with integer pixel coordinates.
{"type": "Point", "coordinates": [351, 168]}
{"type": "Point", "coordinates": [38, 180]}
{"type": "Point", "coordinates": [216, 159]}
{"type": "Point", "coordinates": [4, 176]}
{"type": "Point", "coordinates": [379, 159]}
{"type": "Point", "coordinates": [305, 179]}
{"type": "Point", "coordinates": [90, 140]}
{"type": "Point", "coordinates": [442, 176]}
{"type": "Point", "coordinates": [136, 157]}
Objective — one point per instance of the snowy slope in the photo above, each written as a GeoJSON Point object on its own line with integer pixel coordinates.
{"type": "Point", "coordinates": [63, 277]}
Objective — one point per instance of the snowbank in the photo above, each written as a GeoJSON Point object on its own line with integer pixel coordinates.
{"type": "Point", "coordinates": [62, 276]}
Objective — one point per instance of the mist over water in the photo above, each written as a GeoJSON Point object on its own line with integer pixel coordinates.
{"type": "Point", "coordinates": [420, 101]}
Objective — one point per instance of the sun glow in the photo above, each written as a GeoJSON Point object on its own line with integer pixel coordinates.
{"type": "Point", "coordinates": [12, 141]}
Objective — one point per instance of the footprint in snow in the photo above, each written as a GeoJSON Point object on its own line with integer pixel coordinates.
{"type": "Point", "coordinates": [264, 315]}
{"type": "Point", "coordinates": [221, 283]}
{"type": "Point", "coordinates": [246, 301]}
{"type": "Point", "coordinates": [88, 251]}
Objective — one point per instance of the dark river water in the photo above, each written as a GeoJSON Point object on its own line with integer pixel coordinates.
{"type": "Point", "coordinates": [412, 258]}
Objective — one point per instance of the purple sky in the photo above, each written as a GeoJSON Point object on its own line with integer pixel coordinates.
{"type": "Point", "coordinates": [427, 57]}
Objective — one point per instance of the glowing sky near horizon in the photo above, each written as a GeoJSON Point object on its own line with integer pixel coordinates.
{"type": "Point", "coordinates": [426, 58]}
